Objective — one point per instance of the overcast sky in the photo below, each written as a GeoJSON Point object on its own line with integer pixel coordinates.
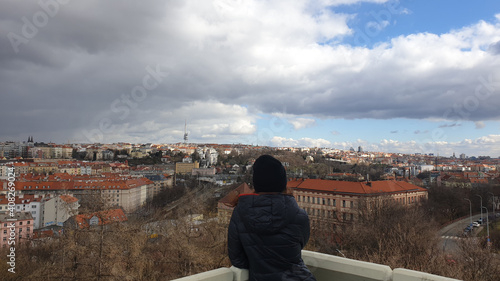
{"type": "Point", "coordinates": [397, 76]}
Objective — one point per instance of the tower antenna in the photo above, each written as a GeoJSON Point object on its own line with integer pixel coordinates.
{"type": "Point", "coordinates": [185, 132]}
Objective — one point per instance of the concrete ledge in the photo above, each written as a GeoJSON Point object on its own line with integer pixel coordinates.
{"type": "Point", "coordinates": [326, 267]}
{"type": "Point", "coordinates": [239, 274]}
{"type": "Point", "coordinates": [219, 274]}
{"type": "Point", "coordinates": [401, 274]}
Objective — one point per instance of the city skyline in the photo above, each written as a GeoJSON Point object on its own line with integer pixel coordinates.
{"type": "Point", "coordinates": [6, 146]}
{"type": "Point", "coordinates": [390, 76]}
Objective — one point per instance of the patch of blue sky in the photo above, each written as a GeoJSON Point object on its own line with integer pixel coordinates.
{"type": "Point", "coordinates": [375, 130]}
{"type": "Point", "coordinates": [373, 24]}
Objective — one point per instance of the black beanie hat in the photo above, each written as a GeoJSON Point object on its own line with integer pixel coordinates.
{"type": "Point", "coordinates": [269, 175]}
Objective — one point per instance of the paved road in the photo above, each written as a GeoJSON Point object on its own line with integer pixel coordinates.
{"type": "Point", "coordinates": [452, 233]}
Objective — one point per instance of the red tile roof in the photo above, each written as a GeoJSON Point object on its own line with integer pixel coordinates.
{"type": "Point", "coordinates": [69, 182]}
{"type": "Point", "coordinates": [68, 198]}
{"type": "Point", "coordinates": [104, 217]}
{"type": "Point", "coordinates": [43, 234]}
{"type": "Point", "coordinates": [476, 180]}
{"type": "Point", "coordinates": [375, 187]}
{"type": "Point", "coordinates": [27, 198]}
{"type": "Point", "coordinates": [232, 197]}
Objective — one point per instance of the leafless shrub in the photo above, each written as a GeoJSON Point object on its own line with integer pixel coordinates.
{"type": "Point", "coordinates": [477, 262]}
{"type": "Point", "coordinates": [389, 233]}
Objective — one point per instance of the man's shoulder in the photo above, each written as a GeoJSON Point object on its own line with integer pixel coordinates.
{"type": "Point", "coordinates": [299, 212]}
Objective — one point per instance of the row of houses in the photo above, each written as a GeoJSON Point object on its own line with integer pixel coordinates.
{"type": "Point", "coordinates": [45, 209]}
{"type": "Point", "coordinates": [124, 191]}
{"type": "Point", "coordinates": [72, 167]}
{"type": "Point", "coordinates": [30, 149]}
{"type": "Point", "coordinates": [19, 228]}
{"type": "Point", "coordinates": [53, 201]}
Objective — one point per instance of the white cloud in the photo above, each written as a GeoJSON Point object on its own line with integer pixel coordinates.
{"type": "Point", "coordinates": [479, 124]}
{"type": "Point", "coordinates": [303, 142]}
{"type": "Point", "coordinates": [296, 122]}
{"type": "Point", "coordinates": [301, 123]}
{"type": "Point", "coordinates": [377, 26]}
{"type": "Point", "coordinates": [348, 2]}
{"type": "Point", "coordinates": [486, 145]}
{"type": "Point", "coordinates": [206, 120]}
{"type": "Point", "coordinates": [211, 136]}
{"type": "Point", "coordinates": [405, 11]}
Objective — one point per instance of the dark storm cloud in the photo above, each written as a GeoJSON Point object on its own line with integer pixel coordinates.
{"type": "Point", "coordinates": [81, 67]}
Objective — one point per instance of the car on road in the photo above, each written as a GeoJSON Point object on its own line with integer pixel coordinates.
{"type": "Point", "coordinates": [475, 224]}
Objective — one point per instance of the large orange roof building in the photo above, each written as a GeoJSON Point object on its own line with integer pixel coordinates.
{"type": "Point", "coordinates": [339, 200]}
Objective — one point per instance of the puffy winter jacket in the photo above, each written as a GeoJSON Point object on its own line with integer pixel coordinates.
{"type": "Point", "coordinates": [266, 235]}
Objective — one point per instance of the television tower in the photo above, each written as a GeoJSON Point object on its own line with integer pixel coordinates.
{"type": "Point", "coordinates": [185, 132]}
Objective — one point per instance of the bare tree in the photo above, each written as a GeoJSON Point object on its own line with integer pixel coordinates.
{"type": "Point", "coordinates": [475, 262]}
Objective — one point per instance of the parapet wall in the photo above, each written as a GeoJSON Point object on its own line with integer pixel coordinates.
{"type": "Point", "coordinates": [325, 268]}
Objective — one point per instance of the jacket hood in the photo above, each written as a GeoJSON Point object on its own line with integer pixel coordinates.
{"type": "Point", "coordinates": [266, 213]}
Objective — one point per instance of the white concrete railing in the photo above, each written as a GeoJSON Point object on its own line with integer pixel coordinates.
{"type": "Point", "coordinates": [326, 267]}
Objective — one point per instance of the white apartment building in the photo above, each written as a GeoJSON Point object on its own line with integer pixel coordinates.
{"type": "Point", "coordinates": [4, 172]}
{"type": "Point", "coordinates": [211, 155]}
{"type": "Point", "coordinates": [25, 203]}
{"type": "Point", "coordinates": [58, 209]}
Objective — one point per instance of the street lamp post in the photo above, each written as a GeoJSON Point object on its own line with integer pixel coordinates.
{"type": "Point", "coordinates": [470, 210]}
{"type": "Point", "coordinates": [487, 226]}
{"type": "Point", "coordinates": [481, 207]}
{"type": "Point", "coordinates": [493, 203]}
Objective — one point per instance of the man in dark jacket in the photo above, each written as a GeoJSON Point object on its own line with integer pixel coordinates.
{"type": "Point", "coordinates": [268, 230]}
